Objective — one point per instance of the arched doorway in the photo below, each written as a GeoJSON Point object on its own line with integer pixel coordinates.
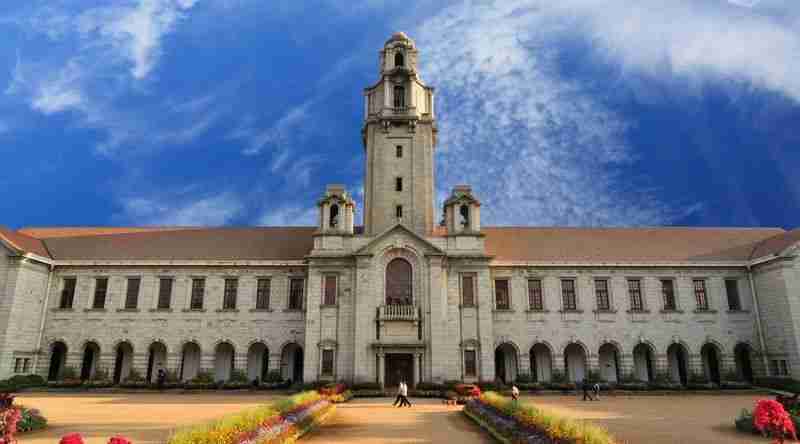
{"type": "Point", "coordinates": [292, 362]}
{"type": "Point", "coordinates": [643, 364]}
{"type": "Point", "coordinates": [711, 365]}
{"type": "Point", "coordinates": [744, 365]}
{"type": "Point", "coordinates": [575, 362]}
{"type": "Point", "coordinates": [91, 354]}
{"type": "Point", "coordinates": [190, 361]}
{"type": "Point", "coordinates": [123, 361]}
{"type": "Point", "coordinates": [541, 362]}
{"type": "Point", "coordinates": [399, 288]}
{"type": "Point", "coordinates": [156, 359]}
{"type": "Point", "coordinates": [505, 363]}
{"type": "Point", "coordinates": [608, 359]}
{"type": "Point", "coordinates": [257, 362]}
{"type": "Point", "coordinates": [58, 357]}
{"type": "Point", "coordinates": [224, 357]}
{"type": "Point", "coordinates": [677, 359]}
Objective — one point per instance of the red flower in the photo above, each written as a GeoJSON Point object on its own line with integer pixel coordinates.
{"type": "Point", "coordinates": [72, 438]}
{"type": "Point", "coordinates": [118, 440]}
{"type": "Point", "coordinates": [770, 417]}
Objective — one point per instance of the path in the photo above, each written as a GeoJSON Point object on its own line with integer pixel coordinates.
{"type": "Point", "coordinates": [144, 418]}
{"type": "Point", "coordinates": [362, 421]}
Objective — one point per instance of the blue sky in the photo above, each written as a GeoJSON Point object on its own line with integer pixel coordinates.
{"type": "Point", "coordinates": [238, 112]}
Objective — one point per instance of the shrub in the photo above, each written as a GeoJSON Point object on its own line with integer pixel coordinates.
{"type": "Point", "coordinates": [68, 373]}
{"type": "Point", "coordinates": [558, 376]}
{"type": "Point", "coordinates": [274, 376]}
{"type": "Point", "coordinates": [203, 377]}
{"type": "Point", "coordinates": [238, 375]}
{"type": "Point", "coordinates": [134, 376]}
{"type": "Point", "coordinates": [30, 419]}
{"type": "Point", "coordinates": [770, 417]}
{"type": "Point", "coordinates": [492, 386]}
{"type": "Point", "coordinates": [100, 374]}
{"type": "Point", "coordinates": [366, 386]}
{"type": "Point", "coordinates": [523, 378]}
{"type": "Point", "coordinates": [431, 386]}
{"type": "Point", "coordinates": [785, 384]}
{"type": "Point", "coordinates": [451, 383]}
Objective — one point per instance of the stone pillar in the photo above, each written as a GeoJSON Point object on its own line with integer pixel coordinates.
{"type": "Point", "coordinates": [381, 366]}
{"type": "Point", "coordinates": [524, 364]}
{"type": "Point", "coordinates": [592, 365]}
{"type": "Point", "coordinates": [417, 368]}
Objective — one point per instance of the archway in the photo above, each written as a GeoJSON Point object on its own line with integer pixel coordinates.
{"type": "Point", "coordinates": [91, 355]}
{"type": "Point", "coordinates": [399, 284]}
{"type": "Point", "coordinates": [190, 361]}
{"type": "Point", "coordinates": [643, 364]}
{"type": "Point", "coordinates": [257, 362]}
{"type": "Point", "coordinates": [677, 359]}
{"type": "Point", "coordinates": [575, 362]}
{"type": "Point", "coordinates": [744, 364]}
{"type": "Point", "coordinates": [541, 362]}
{"type": "Point", "coordinates": [608, 359]}
{"type": "Point", "coordinates": [156, 358]}
{"type": "Point", "coordinates": [505, 363]}
{"type": "Point", "coordinates": [123, 361]}
{"type": "Point", "coordinates": [398, 59]}
{"type": "Point", "coordinates": [224, 357]}
{"type": "Point", "coordinates": [292, 362]}
{"type": "Point", "coordinates": [58, 357]}
{"type": "Point", "coordinates": [711, 365]}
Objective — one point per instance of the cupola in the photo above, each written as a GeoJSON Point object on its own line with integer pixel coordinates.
{"type": "Point", "coordinates": [462, 211]}
{"type": "Point", "coordinates": [336, 211]}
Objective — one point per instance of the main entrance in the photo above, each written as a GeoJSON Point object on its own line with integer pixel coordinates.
{"type": "Point", "coordinates": [399, 367]}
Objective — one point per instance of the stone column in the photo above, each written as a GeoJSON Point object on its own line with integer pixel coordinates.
{"type": "Point", "coordinates": [524, 364]}
{"type": "Point", "coordinates": [381, 366]}
{"type": "Point", "coordinates": [417, 368]}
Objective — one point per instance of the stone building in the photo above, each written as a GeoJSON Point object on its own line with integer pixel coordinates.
{"type": "Point", "coordinates": [401, 297]}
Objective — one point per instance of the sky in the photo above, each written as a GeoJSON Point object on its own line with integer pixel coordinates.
{"type": "Point", "coordinates": [239, 112]}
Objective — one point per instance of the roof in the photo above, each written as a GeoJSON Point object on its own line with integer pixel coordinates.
{"type": "Point", "coordinates": [23, 242]}
{"type": "Point", "coordinates": [624, 245]}
{"type": "Point", "coordinates": [506, 244]}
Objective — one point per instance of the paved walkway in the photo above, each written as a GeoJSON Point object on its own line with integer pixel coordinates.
{"type": "Point", "coordinates": [145, 418]}
{"type": "Point", "coordinates": [362, 421]}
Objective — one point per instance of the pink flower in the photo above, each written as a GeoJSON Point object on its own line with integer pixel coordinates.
{"type": "Point", "coordinates": [72, 438]}
{"type": "Point", "coordinates": [118, 440]}
{"type": "Point", "coordinates": [770, 416]}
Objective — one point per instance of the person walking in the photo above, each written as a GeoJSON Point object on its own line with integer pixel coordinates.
{"type": "Point", "coordinates": [404, 394]}
{"type": "Point", "coordinates": [586, 387]}
{"type": "Point", "coordinates": [514, 393]}
{"type": "Point", "coordinates": [161, 377]}
{"type": "Point", "coordinates": [399, 398]}
{"type": "Point", "coordinates": [596, 390]}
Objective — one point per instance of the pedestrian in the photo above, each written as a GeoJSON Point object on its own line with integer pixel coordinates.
{"type": "Point", "coordinates": [596, 389]}
{"type": "Point", "coordinates": [404, 394]}
{"type": "Point", "coordinates": [399, 398]}
{"type": "Point", "coordinates": [586, 387]}
{"type": "Point", "coordinates": [514, 393]}
{"type": "Point", "coordinates": [161, 377]}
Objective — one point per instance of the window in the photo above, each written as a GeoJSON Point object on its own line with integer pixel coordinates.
{"type": "Point", "coordinates": [132, 294]}
{"type": "Point", "coordinates": [164, 293]}
{"type": "Point", "coordinates": [100, 290]}
{"type": "Point", "coordinates": [229, 298]}
{"type": "Point", "coordinates": [398, 211]}
{"type": "Point", "coordinates": [67, 293]}
{"type": "Point", "coordinates": [399, 151]}
{"type": "Point", "coordinates": [329, 297]}
{"type": "Point", "coordinates": [779, 367]}
{"type": "Point", "coordinates": [568, 298]}
{"type": "Point", "coordinates": [198, 293]}
{"type": "Point", "coordinates": [732, 288]}
{"type": "Point", "coordinates": [470, 363]}
{"type": "Point", "coordinates": [399, 284]}
{"type": "Point", "coordinates": [333, 220]}
{"type": "Point", "coordinates": [263, 289]}
{"type": "Point", "coordinates": [398, 184]}
{"type": "Point", "coordinates": [668, 292]}
{"type": "Point", "coordinates": [399, 97]}
{"type": "Point", "coordinates": [467, 291]}
{"type": "Point", "coordinates": [535, 294]}
{"type": "Point", "coordinates": [398, 59]}
{"type": "Point", "coordinates": [17, 365]}
{"type": "Point", "coordinates": [463, 211]}
{"type": "Point", "coordinates": [327, 362]}
{"type": "Point", "coordinates": [601, 293]}
{"type": "Point", "coordinates": [501, 297]}
{"type": "Point", "coordinates": [296, 289]}
{"type": "Point", "coordinates": [635, 292]}
{"type": "Point", "coordinates": [700, 294]}
{"type": "Point", "coordinates": [26, 363]}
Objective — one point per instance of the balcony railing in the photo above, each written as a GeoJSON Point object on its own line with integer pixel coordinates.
{"type": "Point", "coordinates": [398, 313]}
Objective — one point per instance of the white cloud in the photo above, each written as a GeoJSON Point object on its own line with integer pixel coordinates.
{"type": "Point", "coordinates": [289, 216]}
{"type": "Point", "coordinates": [277, 135]}
{"type": "Point", "coordinates": [181, 210]}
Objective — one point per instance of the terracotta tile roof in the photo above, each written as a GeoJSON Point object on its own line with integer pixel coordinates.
{"type": "Point", "coordinates": [48, 232]}
{"type": "Point", "coordinates": [23, 242]}
{"type": "Point", "coordinates": [624, 245]}
{"type": "Point", "coordinates": [256, 243]}
{"type": "Point", "coordinates": [776, 244]}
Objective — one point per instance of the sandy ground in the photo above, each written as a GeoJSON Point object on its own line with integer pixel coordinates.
{"type": "Point", "coordinates": [661, 419]}
{"type": "Point", "coordinates": [376, 421]}
{"type": "Point", "coordinates": [142, 417]}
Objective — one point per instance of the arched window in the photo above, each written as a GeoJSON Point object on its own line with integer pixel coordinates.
{"type": "Point", "coordinates": [398, 59]}
{"type": "Point", "coordinates": [399, 97]}
{"type": "Point", "coordinates": [398, 283]}
{"type": "Point", "coordinates": [334, 217]}
{"type": "Point", "coordinates": [464, 212]}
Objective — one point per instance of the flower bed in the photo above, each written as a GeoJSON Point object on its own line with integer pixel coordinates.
{"type": "Point", "coordinates": [283, 421]}
{"type": "Point", "coordinates": [513, 422]}
{"type": "Point", "coordinates": [17, 419]}
{"type": "Point", "coordinates": [771, 418]}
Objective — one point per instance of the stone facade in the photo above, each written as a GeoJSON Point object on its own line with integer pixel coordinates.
{"type": "Point", "coordinates": [400, 297]}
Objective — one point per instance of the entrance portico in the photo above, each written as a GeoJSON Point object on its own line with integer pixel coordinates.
{"type": "Point", "coordinates": [399, 362]}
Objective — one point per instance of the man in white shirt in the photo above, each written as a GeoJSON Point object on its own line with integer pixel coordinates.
{"type": "Point", "coordinates": [404, 395]}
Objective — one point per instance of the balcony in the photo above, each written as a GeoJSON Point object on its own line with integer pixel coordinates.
{"type": "Point", "coordinates": [398, 313]}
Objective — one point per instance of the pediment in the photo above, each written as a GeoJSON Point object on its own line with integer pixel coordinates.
{"type": "Point", "coordinates": [400, 236]}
